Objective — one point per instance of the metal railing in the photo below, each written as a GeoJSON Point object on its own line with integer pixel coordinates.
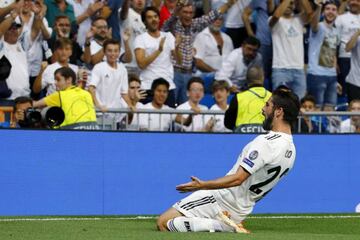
{"type": "Point", "coordinates": [115, 113]}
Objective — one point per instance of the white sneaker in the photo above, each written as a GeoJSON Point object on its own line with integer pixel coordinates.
{"type": "Point", "coordinates": [225, 218]}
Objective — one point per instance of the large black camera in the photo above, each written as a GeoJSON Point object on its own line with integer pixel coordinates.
{"type": "Point", "coordinates": [48, 117]}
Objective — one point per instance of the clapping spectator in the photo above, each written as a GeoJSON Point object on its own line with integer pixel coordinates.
{"type": "Point", "coordinates": [153, 52]}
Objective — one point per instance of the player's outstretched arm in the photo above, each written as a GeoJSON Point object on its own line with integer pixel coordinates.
{"type": "Point", "coordinates": [227, 181]}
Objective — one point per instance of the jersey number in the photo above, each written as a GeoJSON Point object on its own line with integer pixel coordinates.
{"type": "Point", "coordinates": [256, 187]}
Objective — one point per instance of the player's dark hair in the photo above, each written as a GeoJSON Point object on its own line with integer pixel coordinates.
{"type": "Point", "coordinates": [194, 80]}
{"type": "Point", "coordinates": [147, 9]}
{"type": "Point", "coordinates": [252, 41]}
{"type": "Point", "coordinates": [159, 81]}
{"type": "Point", "coordinates": [308, 98]}
{"type": "Point", "coordinates": [110, 41]}
{"type": "Point", "coordinates": [66, 72]}
{"type": "Point", "coordinates": [289, 102]}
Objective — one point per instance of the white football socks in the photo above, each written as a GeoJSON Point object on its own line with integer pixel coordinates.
{"type": "Point", "coordinates": [196, 224]}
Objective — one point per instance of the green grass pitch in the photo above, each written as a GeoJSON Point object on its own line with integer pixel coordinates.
{"type": "Point", "coordinates": [304, 227]}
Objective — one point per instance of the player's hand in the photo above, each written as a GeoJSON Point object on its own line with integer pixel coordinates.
{"type": "Point", "coordinates": [194, 185]}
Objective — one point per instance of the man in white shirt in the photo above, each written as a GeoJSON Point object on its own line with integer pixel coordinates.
{"type": "Point", "coordinates": [235, 66]}
{"type": "Point", "coordinates": [222, 204]}
{"type": "Point", "coordinates": [234, 23]}
{"type": "Point", "coordinates": [212, 46]}
{"type": "Point", "coordinates": [153, 52]}
{"type": "Point", "coordinates": [156, 121]}
{"type": "Point", "coordinates": [347, 24]}
{"type": "Point", "coordinates": [109, 82]}
{"type": "Point", "coordinates": [13, 47]}
{"type": "Point", "coordinates": [130, 20]}
{"type": "Point", "coordinates": [84, 10]}
{"type": "Point", "coordinates": [33, 12]}
{"type": "Point", "coordinates": [288, 48]}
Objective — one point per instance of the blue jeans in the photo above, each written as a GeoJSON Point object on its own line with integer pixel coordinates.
{"type": "Point", "coordinates": [181, 80]}
{"type": "Point", "coordinates": [292, 78]}
{"type": "Point", "coordinates": [323, 88]}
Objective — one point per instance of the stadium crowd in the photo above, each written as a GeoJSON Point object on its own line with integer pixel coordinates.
{"type": "Point", "coordinates": [184, 54]}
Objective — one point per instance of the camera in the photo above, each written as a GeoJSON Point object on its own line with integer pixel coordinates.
{"type": "Point", "coordinates": [48, 117]}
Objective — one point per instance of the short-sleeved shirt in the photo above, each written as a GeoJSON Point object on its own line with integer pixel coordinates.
{"type": "Point", "coordinates": [287, 38]}
{"type": "Point", "coordinates": [347, 24]}
{"type": "Point", "coordinates": [354, 75]}
{"type": "Point", "coordinates": [207, 48]}
{"type": "Point", "coordinates": [110, 83]}
{"type": "Point", "coordinates": [155, 122]}
{"type": "Point", "coordinates": [267, 158]}
{"type": "Point", "coordinates": [322, 50]}
{"type": "Point", "coordinates": [162, 66]}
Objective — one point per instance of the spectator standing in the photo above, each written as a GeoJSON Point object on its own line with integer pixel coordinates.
{"type": "Point", "coordinates": [131, 21]}
{"type": "Point", "coordinates": [347, 24]}
{"type": "Point", "coordinates": [14, 46]}
{"type": "Point", "coordinates": [212, 46]}
{"type": "Point", "coordinates": [353, 79]}
{"type": "Point", "coordinates": [323, 42]}
{"type": "Point", "coordinates": [109, 82]}
{"type": "Point", "coordinates": [84, 10]}
{"type": "Point", "coordinates": [182, 24]}
{"type": "Point", "coordinates": [57, 8]}
{"type": "Point", "coordinates": [288, 50]}
{"type": "Point", "coordinates": [62, 29]}
{"type": "Point", "coordinates": [234, 67]}
{"type": "Point", "coordinates": [262, 9]}
{"type": "Point", "coordinates": [153, 52]}
{"type": "Point", "coordinates": [46, 78]}
{"type": "Point", "coordinates": [33, 13]}
{"type": "Point", "coordinates": [234, 23]}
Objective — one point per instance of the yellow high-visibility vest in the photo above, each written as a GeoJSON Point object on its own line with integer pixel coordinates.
{"type": "Point", "coordinates": [250, 104]}
{"type": "Point", "coordinates": [77, 105]}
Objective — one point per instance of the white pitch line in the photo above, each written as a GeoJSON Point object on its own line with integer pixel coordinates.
{"type": "Point", "coordinates": [148, 217]}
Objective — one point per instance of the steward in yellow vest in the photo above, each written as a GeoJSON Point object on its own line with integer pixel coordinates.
{"type": "Point", "coordinates": [76, 103]}
{"type": "Point", "coordinates": [245, 111]}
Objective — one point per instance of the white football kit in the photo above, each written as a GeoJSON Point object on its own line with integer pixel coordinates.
{"type": "Point", "coordinates": [267, 158]}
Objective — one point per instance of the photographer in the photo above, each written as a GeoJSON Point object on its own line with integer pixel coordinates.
{"type": "Point", "coordinates": [22, 104]}
{"type": "Point", "coordinates": [76, 103]}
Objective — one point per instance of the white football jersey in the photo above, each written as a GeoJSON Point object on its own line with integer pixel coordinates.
{"type": "Point", "coordinates": [267, 158]}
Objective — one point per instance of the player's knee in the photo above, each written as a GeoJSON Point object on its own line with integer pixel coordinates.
{"type": "Point", "coordinates": [162, 224]}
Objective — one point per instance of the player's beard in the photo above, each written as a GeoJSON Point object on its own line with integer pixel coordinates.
{"type": "Point", "coordinates": [268, 122]}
